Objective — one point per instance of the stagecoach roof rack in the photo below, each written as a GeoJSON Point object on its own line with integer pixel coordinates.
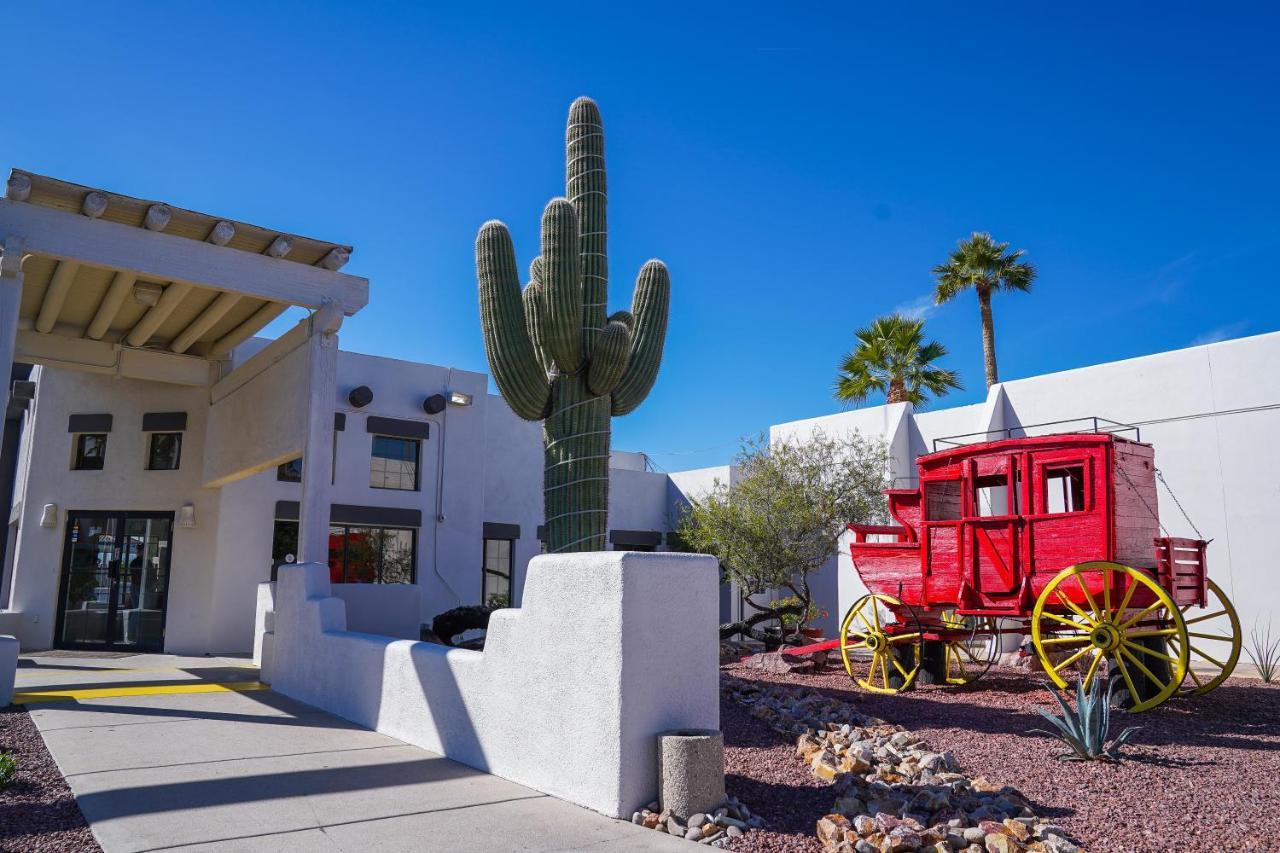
{"type": "Point", "coordinates": [1092, 424]}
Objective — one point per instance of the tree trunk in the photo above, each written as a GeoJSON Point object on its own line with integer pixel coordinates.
{"type": "Point", "coordinates": [988, 335]}
{"type": "Point", "coordinates": [897, 391]}
{"type": "Point", "coordinates": [575, 476]}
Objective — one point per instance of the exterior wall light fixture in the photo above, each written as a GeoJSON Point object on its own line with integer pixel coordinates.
{"type": "Point", "coordinates": [49, 515]}
{"type": "Point", "coordinates": [457, 398]}
{"type": "Point", "coordinates": [187, 515]}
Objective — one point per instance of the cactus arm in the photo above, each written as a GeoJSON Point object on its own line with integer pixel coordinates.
{"type": "Point", "coordinates": [506, 339]}
{"type": "Point", "coordinates": [586, 190]}
{"type": "Point", "coordinates": [626, 318]}
{"type": "Point", "coordinates": [613, 351]}
{"type": "Point", "coordinates": [534, 296]}
{"type": "Point", "coordinates": [649, 304]}
{"type": "Point", "coordinates": [562, 325]}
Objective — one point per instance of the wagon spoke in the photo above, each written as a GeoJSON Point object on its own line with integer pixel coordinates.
{"type": "Point", "coordinates": [1128, 596]}
{"type": "Point", "coordinates": [894, 660]}
{"type": "Point", "coordinates": [898, 638]}
{"type": "Point", "coordinates": [1153, 652]}
{"type": "Point", "coordinates": [1128, 680]}
{"type": "Point", "coordinates": [1217, 637]}
{"type": "Point", "coordinates": [1093, 669]}
{"type": "Point", "coordinates": [1074, 607]}
{"type": "Point", "coordinates": [870, 628]}
{"type": "Point", "coordinates": [1088, 596]}
{"type": "Point", "coordinates": [1156, 632]}
{"type": "Point", "coordinates": [1206, 617]}
{"type": "Point", "coordinates": [1155, 605]}
{"type": "Point", "coordinates": [1064, 620]}
{"type": "Point", "coordinates": [1124, 650]}
{"type": "Point", "coordinates": [1106, 595]}
{"type": "Point", "coordinates": [1191, 672]}
{"type": "Point", "coordinates": [1059, 641]}
{"type": "Point", "coordinates": [884, 668]}
{"type": "Point", "coordinates": [875, 611]}
{"type": "Point", "coordinates": [1066, 663]}
{"type": "Point", "coordinates": [1219, 664]}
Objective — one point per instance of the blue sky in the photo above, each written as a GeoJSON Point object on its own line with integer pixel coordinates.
{"type": "Point", "coordinates": [800, 168]}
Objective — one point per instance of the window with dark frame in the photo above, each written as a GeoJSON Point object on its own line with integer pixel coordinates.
{"type": "Point", "coordinates": [165, 451]}
{"type": "Point", "coordinates": [290, 472]}
{"type": "Point", "coordinates": [394, 463]}
{"type": "Point", "coordinates": [499, 565]}
{"type": "Point", "coordinates": [1064, 489]}
{"type": "Point", "coordinates": [359, 554]}
{"type": "Point", "coordinates": [91, 451]}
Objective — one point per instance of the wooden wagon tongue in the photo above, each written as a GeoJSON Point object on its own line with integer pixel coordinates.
{"type": "Point", "coordinates": [1056, 537]}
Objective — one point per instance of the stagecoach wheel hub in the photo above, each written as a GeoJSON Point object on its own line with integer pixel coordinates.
{"type": "Point", "coordinates": [1102, 610]}
{"type": "Point", "coordinates": [895, 658]}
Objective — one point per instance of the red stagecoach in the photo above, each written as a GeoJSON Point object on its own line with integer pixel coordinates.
{"type": "Point", "coordinates": [1055, 536]}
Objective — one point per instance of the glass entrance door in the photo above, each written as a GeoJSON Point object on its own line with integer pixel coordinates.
{"type": "Point", "coordinates": [115, 580]}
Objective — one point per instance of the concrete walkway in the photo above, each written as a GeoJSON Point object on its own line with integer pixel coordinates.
{"type": "Point", "coordinates": [173, 753]}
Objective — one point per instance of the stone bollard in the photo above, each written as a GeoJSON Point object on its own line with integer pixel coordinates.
{"type": "Point", "coordinates": [8, 668]}
{"type": "Point", "coordinates": [691, 771]}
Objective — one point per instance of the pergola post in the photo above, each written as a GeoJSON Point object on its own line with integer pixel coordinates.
{"type": "Point", "coordinates": [317, 452]}
{"type": "Point", "coordinates": [10, 296]}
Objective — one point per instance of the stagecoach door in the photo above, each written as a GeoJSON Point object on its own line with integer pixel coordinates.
{"type": "Point", "coordinates": [993, 523]}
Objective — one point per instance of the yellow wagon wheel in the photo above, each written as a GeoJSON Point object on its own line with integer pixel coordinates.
{"type": "Point", "coordinates": [963, 665]}
{"type": "Point", "coordinates": [863, 630]}
{"type": "Point", "coordinates": [1213, 648]}
{"type": "Point", "coordinates": [1106, 627]}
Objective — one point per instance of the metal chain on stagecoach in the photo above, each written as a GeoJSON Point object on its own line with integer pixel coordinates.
{"type": "Point", "coordinates": [1178, 503]}
{"type": "Point", "coordinates": [1154, 514]}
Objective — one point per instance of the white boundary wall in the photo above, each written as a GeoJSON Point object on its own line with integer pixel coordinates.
{"type": "Point", "coordinates": [557, 700]}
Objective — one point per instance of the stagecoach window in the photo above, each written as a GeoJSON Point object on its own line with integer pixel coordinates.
{"type": "Point", "coordinates": [942, 501]}
{"type": "Point", "coordinates": [1064, 489]}
{"type": "Point", "coordinates": [991, 495]}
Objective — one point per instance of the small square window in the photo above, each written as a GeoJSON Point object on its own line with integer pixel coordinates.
{"type": "Point", "coordinates": [91, 452]}
{"type": "Point", "coordinates": [166, 451]}
{"type": "Point", "coordinates": [1064, 489]}
{"type": "Point", "coordinates": [290, 472]}
{"type": "Point", "coordinates": [394, 464]}
{"type": "Point", "coordinates": [991, 495]}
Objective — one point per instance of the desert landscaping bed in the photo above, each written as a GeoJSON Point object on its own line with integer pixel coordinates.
{"type": "Point", "coordinates": [1199, 776]}
{"type": "Point", "coordinates": [37, 811]}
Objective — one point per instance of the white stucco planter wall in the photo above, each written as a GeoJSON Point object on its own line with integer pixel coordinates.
{"type": "Point", "coordinates": [390, 609]}
{"type": "Point", "coordinates": [608, 650]}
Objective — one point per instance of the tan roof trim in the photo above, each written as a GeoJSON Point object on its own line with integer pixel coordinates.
{"type": "Point", "coordinates": [127, 210]}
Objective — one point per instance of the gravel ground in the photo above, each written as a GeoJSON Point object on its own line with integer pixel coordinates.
{"type": "Point", "coordinates": [1200, 776]}
{"type": "Point", "coordinates": [37, 811]}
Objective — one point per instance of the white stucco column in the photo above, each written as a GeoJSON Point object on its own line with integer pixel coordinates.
{"type": "Point", "coordinates": [317, 451]}
{"type": "Point", "coordinates": [10, 295]}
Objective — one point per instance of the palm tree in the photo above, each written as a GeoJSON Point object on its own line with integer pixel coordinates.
{"type": "Point", "coordinates": [986, 266]}
{"type": "Point", "coordinates": [893, 358]}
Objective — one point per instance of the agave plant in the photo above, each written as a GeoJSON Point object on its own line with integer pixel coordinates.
{"type": "Point", "coordinates": [1085, 728]}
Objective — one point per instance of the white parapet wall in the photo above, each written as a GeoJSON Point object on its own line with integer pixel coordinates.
{"type": "Point", "coordinates": [570, 693]}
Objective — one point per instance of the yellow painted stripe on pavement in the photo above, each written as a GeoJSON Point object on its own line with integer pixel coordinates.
{"type": "Point", "coordinates": [150, 690]}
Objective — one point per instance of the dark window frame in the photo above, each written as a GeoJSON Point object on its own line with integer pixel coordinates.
{"type": "Point", "coordinates": [485, 571]}
{"type": "Point", "coordinates": [346, 551]}
{"type": "Point", "coordinates": [151, 451]}
{"type": "Point", "coordinates": [80, 457]}
{"type": "Point", "coordinates": [416, 443]}
{"type": "Point", "coordinates": [282, 469]}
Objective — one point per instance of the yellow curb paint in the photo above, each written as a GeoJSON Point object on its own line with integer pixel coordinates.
{"type": "Point", "coordinates": [151, 690]}
{"type": "Point", "coordinates": [46, 671]}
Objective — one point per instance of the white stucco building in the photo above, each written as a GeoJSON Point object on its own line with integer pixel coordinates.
{"type": "Point", "coordinates": [159, 460]}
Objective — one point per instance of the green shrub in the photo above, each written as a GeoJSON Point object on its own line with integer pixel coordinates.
{"type": "Point", "coordinates": [1085, 728]}
{"type": "Point", "coordinates": [8, 769]}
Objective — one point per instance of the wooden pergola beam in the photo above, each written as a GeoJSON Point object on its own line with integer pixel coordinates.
{"type": "Point", "coordinates": [216, 310]}
{"type": "Point", "coordinates": [55, 295]}
{"type": "Point", "coordinates": [121, 287]}
{"type": "Point", "coordinates": [247, 329]}
{"type": "Point", "coordinates": [158, 313]}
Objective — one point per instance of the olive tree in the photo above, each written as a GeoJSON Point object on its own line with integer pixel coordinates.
{"type": "Point", "coordinates": [783, 517]}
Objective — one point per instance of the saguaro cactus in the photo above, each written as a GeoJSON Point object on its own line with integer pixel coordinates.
{"type": "Point", "coordinates": [554, 354]}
